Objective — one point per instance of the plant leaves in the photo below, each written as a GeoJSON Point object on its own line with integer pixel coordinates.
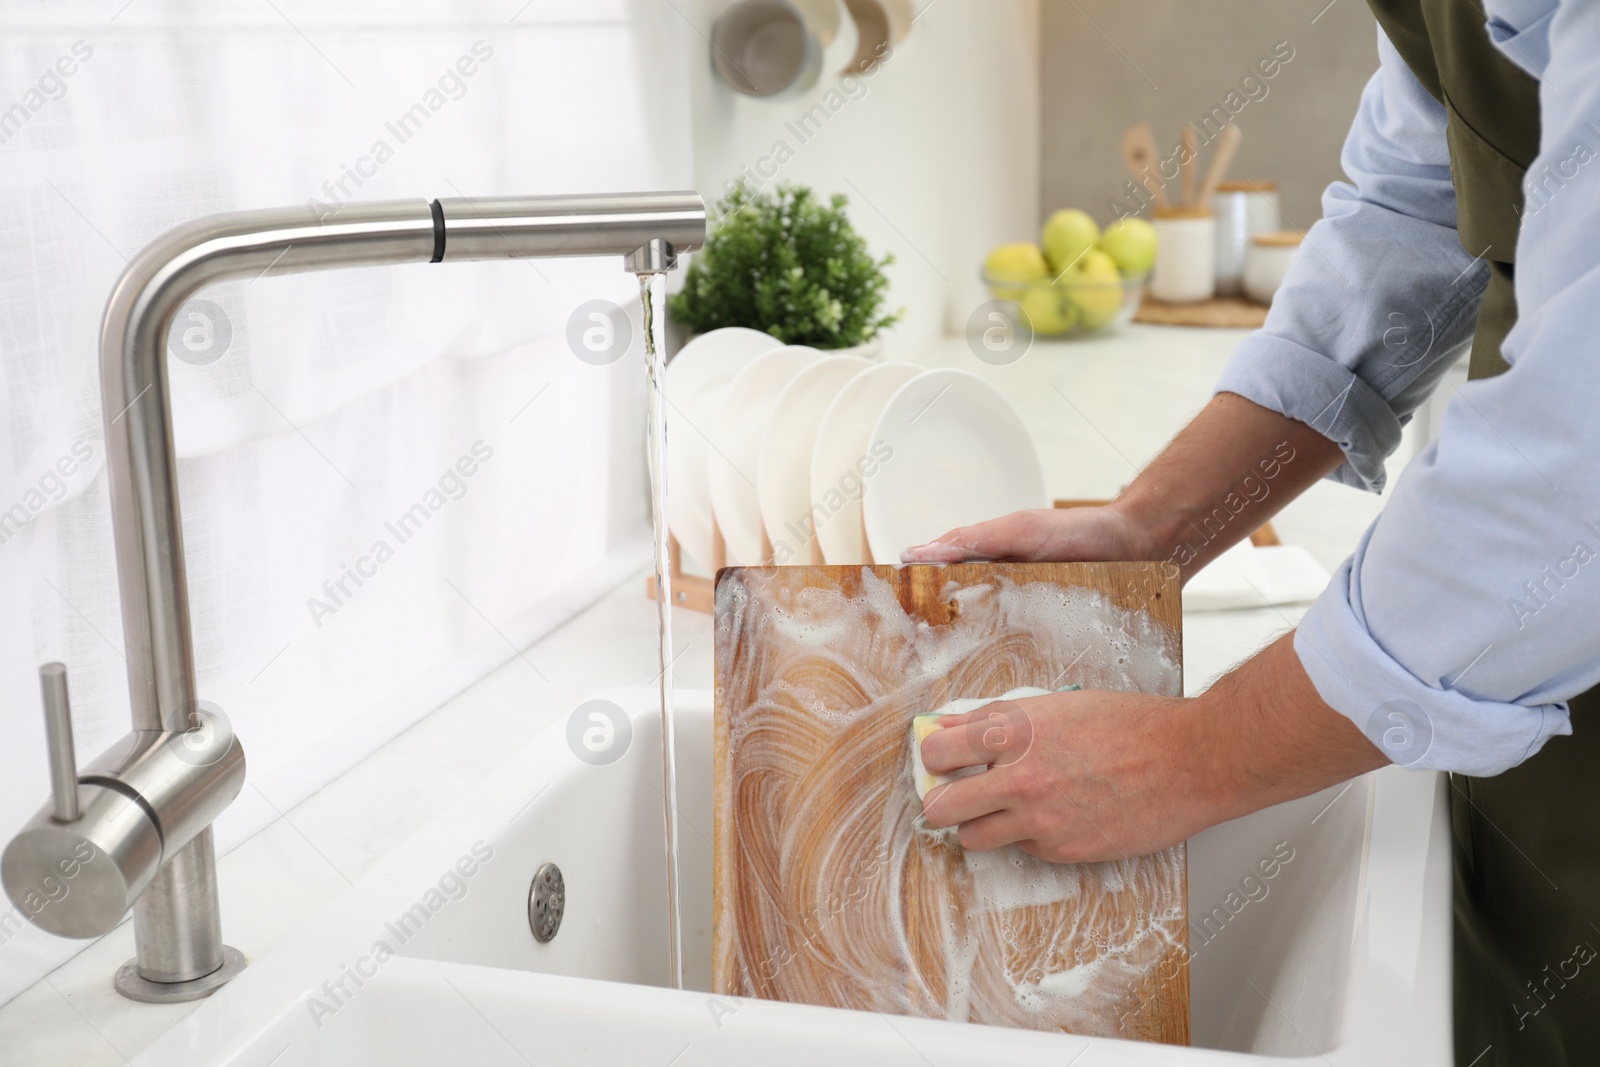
{"type": "Point", "coordinates": [788, 264]}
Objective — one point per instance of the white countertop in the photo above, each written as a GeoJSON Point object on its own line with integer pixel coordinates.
{"type": "Point", "coordinates": [1098, 409]}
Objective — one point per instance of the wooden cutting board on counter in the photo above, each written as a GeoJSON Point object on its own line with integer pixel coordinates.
{"type": "Point", "coordinates": [830, 888]}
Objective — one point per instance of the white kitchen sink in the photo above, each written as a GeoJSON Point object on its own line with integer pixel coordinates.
{"type": "Point", "coordinates": [1341, 955]}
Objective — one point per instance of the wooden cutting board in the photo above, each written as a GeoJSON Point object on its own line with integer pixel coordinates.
{"type": "Point", "coordinates": [830, 888]}
{"type": "Point", "coordinates": [1227, 312]}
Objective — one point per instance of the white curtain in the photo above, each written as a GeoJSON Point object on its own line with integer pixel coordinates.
{"type": "Point", "coordinates": [340, 400]}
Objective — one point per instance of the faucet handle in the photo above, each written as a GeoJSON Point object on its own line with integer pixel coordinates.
{"type": "Point", "coordinates": [86, 857]}
{"type": "Point", "coordinates": [58, 736]}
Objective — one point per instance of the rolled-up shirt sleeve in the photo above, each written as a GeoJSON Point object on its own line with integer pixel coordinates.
{"type": "Point", "coordinates": [1469, 614]}
{"type": "Point", "coordinates": [1381, 297]}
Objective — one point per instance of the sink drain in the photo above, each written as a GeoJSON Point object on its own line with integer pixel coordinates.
{"type": "Point", "coordinates": [547, 900]}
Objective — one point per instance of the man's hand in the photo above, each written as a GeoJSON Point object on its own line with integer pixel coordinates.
{"type": "Point", "coordinates": [1095, 775]}
{"type": "Point", "coordinates": [1226, 473]}
{"type": "Point", "coordinates": [1091, 775]}
{"type": "Point", "coordinates": [1044, 535]}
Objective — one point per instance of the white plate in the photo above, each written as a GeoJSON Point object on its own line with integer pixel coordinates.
{"type": "Point", "coordinates": [784, 485]}
{"type": "Point", "coordinates": [956, 453]}
{"type": "Point", "coordinates": [844, 449]}
{"type": "Point", "coordinates": [697, 379]}
{"type": "Point", "coordinates": [734, 462]}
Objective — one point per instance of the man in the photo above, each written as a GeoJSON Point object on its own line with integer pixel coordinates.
{"type": "Point", "coordinates": [1464, 633]}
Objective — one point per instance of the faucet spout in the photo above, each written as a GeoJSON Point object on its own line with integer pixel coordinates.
{"type": "Point", "coordinates": [538, 227]}
{"type": "Point", "coordinates": [136, 398]}
{"type": "Point", "coordinates": [157, 809]}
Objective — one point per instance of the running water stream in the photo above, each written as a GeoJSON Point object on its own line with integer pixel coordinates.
{"type": "Point", "coordinates": [653, 296]}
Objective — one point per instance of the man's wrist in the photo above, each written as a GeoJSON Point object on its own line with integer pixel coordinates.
{"type": "Point", "coordinates": [1159, 520]}
{"type": "Point", "coordinates": [1206, 745]}
{"type": "Point", "coordinates": [1226, 473]}
{"type": "Point", "coordinates": [1263, 735]}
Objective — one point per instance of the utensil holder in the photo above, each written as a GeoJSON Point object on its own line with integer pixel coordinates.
{"type": "Point", "coordinates": [1186, 256]}
{"type": "Point", "coordinates": [1267, 262]}
{"type": "Point", "coordinates": [1243, 209]}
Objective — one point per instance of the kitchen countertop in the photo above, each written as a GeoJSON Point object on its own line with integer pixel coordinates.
{"type": "Point", "coordinates": [1098, 409]}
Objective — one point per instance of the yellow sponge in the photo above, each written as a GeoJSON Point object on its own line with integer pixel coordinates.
{"type": "Point", "coordinates": [921, 727]}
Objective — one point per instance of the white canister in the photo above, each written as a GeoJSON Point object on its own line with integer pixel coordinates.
{"type": "Point", "coordinates": [1243, 209]}
{"type": "Point", "coordinates": [1186, 257]}
{"type": "Point", "coordinates": [1267, 262]}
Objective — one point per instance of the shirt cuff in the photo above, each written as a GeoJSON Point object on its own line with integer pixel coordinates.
{"type": "Point", "coordinates": [1413, 723]}
{"type": "Point", "coordinates": [1309, 387]}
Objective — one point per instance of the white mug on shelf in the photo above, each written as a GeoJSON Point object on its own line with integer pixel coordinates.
{"type": "Point", "coordinates": [1267, 262]}
{"type": "Point", "coordinates": [772, 48]}
{"type": "Point", "coordinates": [1186, 255]}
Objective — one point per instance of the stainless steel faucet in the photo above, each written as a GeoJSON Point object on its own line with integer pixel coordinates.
{"type": "Point", "coordinates": [133, 829]}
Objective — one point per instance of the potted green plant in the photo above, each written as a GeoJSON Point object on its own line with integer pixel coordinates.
{"type": "Point", "coordinates": [791, 265]}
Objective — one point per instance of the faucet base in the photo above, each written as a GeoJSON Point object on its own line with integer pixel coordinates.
{"type": "Point", "coordinates": [130, 985]}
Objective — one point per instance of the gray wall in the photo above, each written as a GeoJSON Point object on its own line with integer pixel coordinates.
{"type": "Point", "coordinates": [1099, 59]}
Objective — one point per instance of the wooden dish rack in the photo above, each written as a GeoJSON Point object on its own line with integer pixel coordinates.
{"type": "Point", "coordinates": [698, 592]}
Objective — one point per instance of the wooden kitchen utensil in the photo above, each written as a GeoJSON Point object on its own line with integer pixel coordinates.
{"type": "Point", "coordinates": [1191, 151]}
{"type": "Point", "coordinates": [1221, 160]}
{"type": "Point", "coordinates": [830, 887]}
{"type": "Point", "coordinates": [1139, 150]}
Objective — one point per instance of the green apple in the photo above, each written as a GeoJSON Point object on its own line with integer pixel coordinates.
{"type": "Point", "coordinates": [1131, 244]}
{"type": "Point", "coordinates": [1020, 263]}
{"type": "Point", "coordinates": [1067, 236]}
{"type": "Point", "coordinates": [1049, 310]}
{"type": "Point", "coordinates": [1094, 287]}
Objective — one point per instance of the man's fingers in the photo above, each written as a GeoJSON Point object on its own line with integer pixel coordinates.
{"type": "Point", "coordinates": [1008, 537]}
{"type": "Point", "coordinates": [956, 746]}
{"type": "Point", "coordinates": [998, 732]}
{"type": "Point", "coordinates": [957, 546]}
{"type": "Point", "coordinates": [946, 749]}
{"type": "Point", "coordinates": [1022, 535]}
{"type": "Point", "coordinates": [993, 831]}
{"type": "Point", "coordinates": [966, 798]}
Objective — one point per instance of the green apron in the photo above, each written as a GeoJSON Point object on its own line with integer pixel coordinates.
{"type": "Point", "coordinates": [1527, 842]}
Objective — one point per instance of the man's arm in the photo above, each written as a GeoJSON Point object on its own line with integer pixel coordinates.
{"type": "Point", "coordinates": [1398, 649]}
{"type": "Point", "coordinates": [1226, 473]}
{"type": "Point", "coordinates": [1380, 301]}
{"type": "Point", "coordinates": [1472, 606]}
{"type": "Point", "coordinates": [1381, 298]}
{"type": "Point", "coordinates": [1093, 775]}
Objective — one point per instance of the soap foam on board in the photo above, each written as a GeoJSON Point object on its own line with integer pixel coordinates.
{"type": "Point", "coordinates": [874, 912]}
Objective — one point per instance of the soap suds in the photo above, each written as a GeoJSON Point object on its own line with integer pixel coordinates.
{"type": "Point", "coordinates": [845, 896]}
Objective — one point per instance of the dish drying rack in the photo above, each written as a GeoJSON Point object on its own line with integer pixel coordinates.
{"type": "Point", "coordinates": [693, 591]}
{"type": "Point", "coordinates": [697, 592]}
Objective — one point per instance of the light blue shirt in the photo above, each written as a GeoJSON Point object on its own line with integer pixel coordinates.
{"type": "Point", "coordinates": [1470, 612]}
